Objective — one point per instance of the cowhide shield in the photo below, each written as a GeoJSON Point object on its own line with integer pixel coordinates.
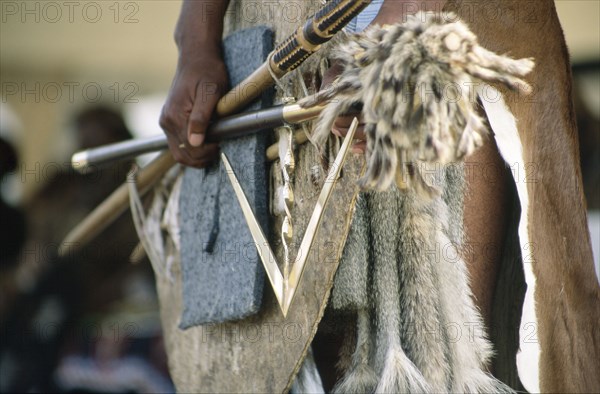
{"type": "Point", "coordinates": [263, 353]}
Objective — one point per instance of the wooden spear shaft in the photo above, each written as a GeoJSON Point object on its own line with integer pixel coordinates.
{"type": "Point", "coordinates": [111, 208]}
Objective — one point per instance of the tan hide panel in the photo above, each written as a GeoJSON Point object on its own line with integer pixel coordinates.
{"type": "Point", "coordinates": [264, 352]}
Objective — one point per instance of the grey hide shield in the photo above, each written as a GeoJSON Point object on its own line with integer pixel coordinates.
{"type": "Point", "coordinates": [221, 271]}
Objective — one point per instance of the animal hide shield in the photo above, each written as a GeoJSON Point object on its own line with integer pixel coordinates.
{"type": "Point", "coordinates": [264, 352]}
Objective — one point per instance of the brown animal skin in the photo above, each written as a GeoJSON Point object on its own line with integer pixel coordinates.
{"type": "Point", "coordinates": [567, 293]}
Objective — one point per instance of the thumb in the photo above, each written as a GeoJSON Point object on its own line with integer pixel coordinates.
{"type": "Point", "coordinates": [204, 104]}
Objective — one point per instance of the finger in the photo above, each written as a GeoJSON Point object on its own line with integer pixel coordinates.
{"type": "Point", "coordinates": [203, 151]}
{"type": "Point", "coordinates": [207, 95]}
{"type": "Point", "coordinates": [359, 134]}
{"type": "Point", "coordinates": [172, 121]}
{"type": "Point", "coordinates": [192, 154]}
{"type": "Point", "coordinates": [203, 163]}
{"type": "Point", "coordinates": [194, 157]}
{"type": "Point", "coordinates": [175, 112]}
{"type": "Point", "coordinates": [343, 121]}
{"type": "Point", "coordinates": [359, 147]}
{"type": "Point", "coordinates": [177, 151]}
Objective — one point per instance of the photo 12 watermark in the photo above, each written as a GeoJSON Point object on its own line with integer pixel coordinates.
{"type": "Point", "coordinates": [69, 11]}
{"type": "Point", "coordinates": [270, 332]}
{"type": "Point", "coordinates": [90, 92]}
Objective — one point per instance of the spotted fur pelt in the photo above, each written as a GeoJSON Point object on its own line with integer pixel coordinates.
{"type": "Point", "coordinates": [415, 83]}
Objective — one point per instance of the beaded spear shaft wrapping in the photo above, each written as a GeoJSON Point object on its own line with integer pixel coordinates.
{"type": "Point", "coordinates": [292, 52]}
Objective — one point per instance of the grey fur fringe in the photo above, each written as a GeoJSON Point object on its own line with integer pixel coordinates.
{"type": "Point", "coordinates": [420, 331]}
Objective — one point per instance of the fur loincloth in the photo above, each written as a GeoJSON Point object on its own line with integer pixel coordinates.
{"type": "Point", "coordinates": [402, 275]}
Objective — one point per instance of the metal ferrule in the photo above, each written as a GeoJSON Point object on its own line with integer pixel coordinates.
{"type": "Point", "coordinates": [118, 151]}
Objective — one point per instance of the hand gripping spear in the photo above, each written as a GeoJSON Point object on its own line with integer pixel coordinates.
{"type": "Point", "coordinates": [287, 56]}
{"type": "Point", "coordinates": [223, 129]}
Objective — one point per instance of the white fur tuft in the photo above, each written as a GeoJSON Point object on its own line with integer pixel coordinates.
{"type": "Point", "coordinates": [504, 126]}
{"type": "Point", "coordinates": [400, 375]}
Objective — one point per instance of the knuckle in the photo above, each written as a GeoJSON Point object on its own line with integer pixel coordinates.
{"type": "Point", "coordinates": [167, 119]}
{"type": "Point", "coordinates": [173, 142]}
{"type": "Point", "coordinates": [164, 123]}
{"type": "Point", "coordinates": [177, 153]}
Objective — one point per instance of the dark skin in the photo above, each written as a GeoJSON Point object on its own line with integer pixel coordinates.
{"type": "Point", "coordinates": [201, 79]}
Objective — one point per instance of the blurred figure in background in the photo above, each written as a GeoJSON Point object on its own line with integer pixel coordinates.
{"type": "Point", "coordinates": [90, 312]}
{"type": "Point", "coordinates": [12, 231]}
{"type": "Point", "coordinates": [69, 195]}
{"type": "Point", "coordinates": [13, 223]}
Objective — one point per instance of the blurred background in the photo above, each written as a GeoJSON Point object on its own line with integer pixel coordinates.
{"type": "Point", "coordinates": [77, 74]}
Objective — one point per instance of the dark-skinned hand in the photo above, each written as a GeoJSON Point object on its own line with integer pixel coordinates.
{"type": "Point", "coordinates": [198, 84]}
